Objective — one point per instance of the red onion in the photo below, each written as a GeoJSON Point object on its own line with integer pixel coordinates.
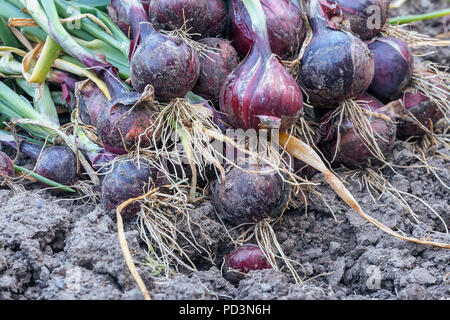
{"type": "Point", "coordinates": [352, 152]}
{"type": "Point", "coordinates": [242, 260]}
{"type": "Point", "coordinates": [284, 24]}
{"type": "Point", "coordinates": [168, 64]}
{"type": "Point", "coordinates": [260, 92]}
{"type": "Point", "coordinates": [204, 18]}
{"type": "Point", "coordinates": [393, 67]}
{"type": "Point", "coordinates": [120, 129]}
{"type": "Point", "coordinates": [57, 163]}
{"type": "Point", "coordinates": [215, 67]}
{"type": "Point", "coordinates": [336, 65]}
{"type": "Point", "coordinates": [366, 18]}
{"type": "Point", "coordinates": [251, 195]}
{"type": "Point", "coordinates": [423, 110]}
{"type": "Point", "coordinates": [91, 101]}
{"type": "Point", "coordinates": [126, 180]}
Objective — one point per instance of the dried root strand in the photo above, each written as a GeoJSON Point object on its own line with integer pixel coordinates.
{"type": "Point", "coordinates": [271, 248]}
{"type": "Point", "coordinates": [180, 120]}
{"type": "Point", "coordinates": [412, 38]}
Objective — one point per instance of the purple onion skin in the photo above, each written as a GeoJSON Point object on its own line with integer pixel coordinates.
{"type": "Point", "coordinates": [352, 152]}
{"type": "Point", "coordinates": [366, 17]}
{"type": "Point", "coordinates": [369, 102]}
{"type": "Point", "coordinates": [120, 132]}
{"type": "Point", "coordinates": [59, 164]}
{"type": "Point", "coordinates": [91, 102]}
{"type": "Point", "coordinates": [6, 165]}
{"type": "Point", "coordinates": [260, 89]}
{"type": "Point", "coordinates": [423, 109]}
{"type": "Point", "coordinates": [336, 65]}
{"type": "Point", "coordinates": [215, 67]}
{"type": "Point", "coordinates": [242, 260]}
{"type": "Point", "coordinates": [393, 68]}
{"type": "Point", "coordinates": [119, 16]}
{"type": "Point", "coordinates": [204, 18]}
{"type": "Point", "coordinates": [250, 197]}
{"type": "Point", "coordinates": [284, 24]}
{"type": "Point", "coordinates": [125, 181]}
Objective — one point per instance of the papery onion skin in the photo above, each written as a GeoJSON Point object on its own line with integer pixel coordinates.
{"type": "Point", "coordinates": [394, 65]}
{"type": "Point", "coordinates": [91, 102]}
{"type": "Point", "coordinates": [264, 90]}
{"type": "Point", "coordinates": [126, 180]}
{"type": "Point", "coordinates": [260, 92]}
{"type": "Point", "coordinates": [242, 260]}
{"type": "Point", "coordinates": [249, 197]}
{"type": "Point", "coordinates": [423, 109]}
{"type": "Point", "coordinates": [220, 60]}
{"type": "Point", "coordinates": [336, 65]}
{"type": "Point", "coordinates": [202, 18]}
{"type": "Point", "coordinates": [284, 24]}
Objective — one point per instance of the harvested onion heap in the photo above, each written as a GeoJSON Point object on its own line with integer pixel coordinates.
{"type": "Point", "coordinates": [168, 78]}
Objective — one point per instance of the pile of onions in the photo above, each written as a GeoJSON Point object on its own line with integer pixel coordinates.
{"type": "Point", "coordinates": [284, 25]}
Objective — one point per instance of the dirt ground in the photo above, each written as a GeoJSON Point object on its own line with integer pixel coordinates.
{"type": "Point", "coordinates": [58, 249]}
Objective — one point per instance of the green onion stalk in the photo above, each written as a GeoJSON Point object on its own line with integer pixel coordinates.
{"type": "Point", "coordinates": [48, 19]}
{"type": "Point", "coordinates": [419, 17]}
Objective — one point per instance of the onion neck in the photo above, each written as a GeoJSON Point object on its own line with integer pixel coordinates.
{"type": "Point", "coordinates": [320, 12]}
{"type": "Point", "coordinates": [259, 25]}
{"type": "Point", "coordinates": [141, 27]}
